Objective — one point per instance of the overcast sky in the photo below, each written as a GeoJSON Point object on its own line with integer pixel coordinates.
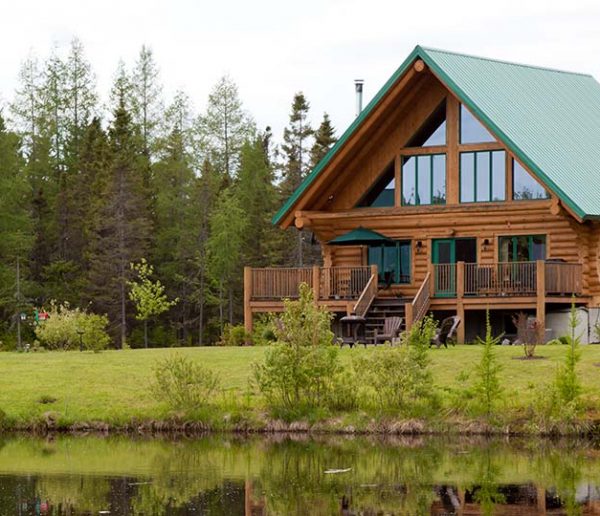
{"type": "Point", "coordinates": [273, 48]}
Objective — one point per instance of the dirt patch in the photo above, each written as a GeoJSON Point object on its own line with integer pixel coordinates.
{"type": "Point", "coordinates": [529, 358]}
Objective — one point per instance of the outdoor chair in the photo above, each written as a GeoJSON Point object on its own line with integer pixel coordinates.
{"type": "Point", "coordinates": [446, 332]}
{"type": "Point", "coordinates": [391, 330]}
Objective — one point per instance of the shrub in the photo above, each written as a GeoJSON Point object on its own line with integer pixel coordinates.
{"type": "Point", "coordinates": [234, 335]}
{"type": "Point", "coordinates": [264, 331]}
{"type": "Point", "coordinates": [400, 376]}
{"type": "Point", "coordinates": [183, 384]}
{"type": "Point", "coordinates": [487, 387]}
{"type": "Point", "coordinates": [63, 327]}
{"type": "Point", "coordinates": [299, 370]}
{"type": "Point", "coordinates": [529, 332]}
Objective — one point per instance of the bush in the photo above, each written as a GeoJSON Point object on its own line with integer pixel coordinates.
{"type": "Point", "coordinates": [63, 327]}
{"type": "Point", "coordinates": [400, 377]}
{"type": "Point", "coordinates": [299, 370]}
{"type": "Point", "coordinates": [234, 335]}
{"type": "Point", "coordinates": [567, 381]}
{"type": "Point", "coordinates": [183, 384]}
{"type": "Point", "coordinates": [264, 331]}
{"type": "Point", "coordinates": [487, 388]}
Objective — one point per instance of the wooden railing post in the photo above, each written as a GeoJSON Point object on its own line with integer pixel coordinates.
{"type": "Point", "coordinates": [408, 314]}
{"type": "Point", "coordinates": [248, 299]}
{"type": "Point", "coordinates": [431, 270]}
{"type": "Point", "coordinates": [541, 293]}
{"type": "Point", "coordinates": [316, 282]}
{"type": "Point", "coordinates": [460, 307]}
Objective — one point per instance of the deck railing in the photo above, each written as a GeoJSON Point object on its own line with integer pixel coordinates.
{"type": "Point", "coordinates": [507, 279]}
{"type": "Point", "coordinates": [367, 296]}
{"type": "Point", "coordinates": [417, 309]}
{"type": "Point", "coordinates": [276, 283]}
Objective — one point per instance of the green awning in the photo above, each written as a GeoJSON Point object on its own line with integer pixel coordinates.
{"type": "Point", "coordinates": [360, 236]}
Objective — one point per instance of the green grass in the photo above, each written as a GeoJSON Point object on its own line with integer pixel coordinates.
{"type": "Point", "coordinates": [112, 386]}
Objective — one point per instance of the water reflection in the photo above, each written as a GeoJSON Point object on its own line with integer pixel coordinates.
{"type": "Point", "coordinates": [297, 475]}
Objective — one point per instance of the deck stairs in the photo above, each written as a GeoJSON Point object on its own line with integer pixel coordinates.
{"type": "Point", "coordinates": [383, 307]}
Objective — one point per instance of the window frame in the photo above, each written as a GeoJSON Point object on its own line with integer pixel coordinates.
{"type": "Point", "coordinates": [514, 238]}
{"type": "Point", "coordinates": [406, 156]}
{"type": "Point", "coordinates": [381, 265]}
{"type": "Point", "coordinates": [490, 175]}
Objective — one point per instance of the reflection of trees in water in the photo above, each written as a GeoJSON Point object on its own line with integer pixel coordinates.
{"type": "Point", "coordinates": [393, 475]}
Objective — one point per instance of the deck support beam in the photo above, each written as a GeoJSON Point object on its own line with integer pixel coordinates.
{"type": "Point", "coordinates": [247, 298]}
{"type": "Point", "coordinates": [460, 307]}
{"type": "Point", "coordinates": [540, 307]}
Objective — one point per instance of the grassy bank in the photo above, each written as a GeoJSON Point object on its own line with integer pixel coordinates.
{"type": "Point", "coordinates": [113, 386]}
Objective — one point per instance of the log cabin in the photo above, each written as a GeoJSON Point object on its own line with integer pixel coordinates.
{"type": "Point", "coordinates": [465, 185]}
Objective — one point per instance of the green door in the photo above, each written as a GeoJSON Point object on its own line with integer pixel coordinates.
{"type": "Point", "coordinates": [444, 260]}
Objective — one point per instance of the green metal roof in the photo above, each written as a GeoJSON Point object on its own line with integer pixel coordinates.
{"type": "Point", "coordinates": [360, 236]}
{"type": "Point", "coordinates": [549, 119]}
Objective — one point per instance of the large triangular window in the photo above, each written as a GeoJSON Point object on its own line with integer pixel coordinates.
{"type": "Point", "coordinates": [471, 129]}
{"type": "Point", "coordinates": [433, 131]}
{"type": "Point", "coordinates": [381, 194]}
{"type": "Point", "coordinates": [525, 186]}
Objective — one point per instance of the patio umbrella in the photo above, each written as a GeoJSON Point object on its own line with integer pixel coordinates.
{"type": "Point", "coordinates": [360, 236]}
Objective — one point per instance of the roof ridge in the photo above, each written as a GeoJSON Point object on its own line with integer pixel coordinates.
{"type": "Point", "coordinates": [503, 61]}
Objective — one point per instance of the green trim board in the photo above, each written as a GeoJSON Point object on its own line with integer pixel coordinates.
{"type": "Point", "coordinates": [549, 119]}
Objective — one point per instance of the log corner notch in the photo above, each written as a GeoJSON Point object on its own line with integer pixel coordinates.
{"type": "Point", "coordinates": [419, 65]}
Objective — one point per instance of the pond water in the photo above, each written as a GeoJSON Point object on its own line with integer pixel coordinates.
{"type": "Point", "coordinates": [288, 475]}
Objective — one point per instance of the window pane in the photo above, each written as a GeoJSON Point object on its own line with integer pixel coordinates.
{"type": "Point", "coordinates": [522, 249]}
{"type": "Point", "coordinates": [538, 248]}
{"type": "Point", "coordinates": [471, 130]}
{"type": "Point", "coordinates": [498, 176]}
{"type": "Point", "coordinates": [433, 131]}
{"type": "Point", "coordinates": [505, 254]}
{"type": "Point", "coordinates": [390, 262]}
{"type": "Point", "coordinates": [439, 179]}
{"type": "Point", "coordinates": [386, 197]}
{"type": "Point", "coordinates": [467, 177]}
{"type": "Point", "coordinates": [483, 176]}
{"type": "Point", "coordinates": [405, 248]}
{"type": "Point", "coordinates": [408, 181]}
{"type": "Point", "coordinates": [424, 179]}
{"type": "Point", "coordinates": [526, 187]}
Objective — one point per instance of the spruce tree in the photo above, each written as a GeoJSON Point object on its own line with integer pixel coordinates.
{"type": "Point", "coordinates": [324, 140]}
{"type": "Point", "coordinates": [296, 137]}
{"type": "Point", "coordinates": [122, 229]}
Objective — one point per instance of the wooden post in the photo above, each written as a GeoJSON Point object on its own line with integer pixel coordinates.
{"type": "Point", "coordinates": [316, 282]}
{"type": "Point", "coordinates": [431, 270]}
{"type": "Point", "coordinates": [540, 309]}
{"type": "Point", "coordinates": [452, 178]}
{"type": "Point", "coordinates": [247, 299]}
{"type": "Point", "coordinates": [408, 314]}
{"type": "Point", "coordinates": [460, 307]}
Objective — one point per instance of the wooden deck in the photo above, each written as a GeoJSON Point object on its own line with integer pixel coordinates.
{"type": "Point", "coordinates": [456, 287]}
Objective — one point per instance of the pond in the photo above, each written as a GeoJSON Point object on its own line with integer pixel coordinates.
{"type": "Point", "coordinates": [297, 474]}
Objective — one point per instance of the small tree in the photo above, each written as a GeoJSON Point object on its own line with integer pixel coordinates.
{"type": "Point", "coordinates": [487, 386]}
{"type": "Point", "coordinates": [529, 332]}
{"type": "Point", "coordinates": [148, 296]}
{"type": "Point", "coordinates": [567, 381]}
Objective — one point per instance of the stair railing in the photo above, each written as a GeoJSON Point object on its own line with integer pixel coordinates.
{"type": "Point", "coordinates": [416, 310]}
{"type": "Point", "coordinates": [367, 296]}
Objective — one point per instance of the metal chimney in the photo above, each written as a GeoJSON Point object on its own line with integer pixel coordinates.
{"type": "Point", "coordinates": [358, 85]}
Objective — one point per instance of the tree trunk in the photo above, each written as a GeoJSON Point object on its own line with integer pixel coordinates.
{"type": "Point", "coordinates": [123, 312]}
{"type": "Point", "coordinates": [146, 333]}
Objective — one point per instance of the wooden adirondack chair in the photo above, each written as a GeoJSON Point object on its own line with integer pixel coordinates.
{"type": "Point", "coordinates": [446, 332]}
{"type": "Point", "coordinates": [391, 330]}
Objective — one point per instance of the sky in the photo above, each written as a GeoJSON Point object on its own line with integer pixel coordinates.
{"type": "Point", "coordinates": [274, 48]}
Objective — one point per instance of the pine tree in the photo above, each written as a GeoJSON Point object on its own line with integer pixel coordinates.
{"type": "Point", "coordinates": [147, 100]}
{"type": "Point", "coordinates": [225, 127]}
{"type": "Point", "coordinates": [15, 222]}
{"type": "Point", "coordinates": [324, 140]}
{"type": "Point", "coordinates": [296, 137]}
{"type": "Point", "coordinates": [121, 232]}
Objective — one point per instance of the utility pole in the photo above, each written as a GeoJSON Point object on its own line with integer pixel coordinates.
{"type": "Point", "coordinates": [18, 304]}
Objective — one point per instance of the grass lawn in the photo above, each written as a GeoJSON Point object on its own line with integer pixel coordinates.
{"type": "Point", "coordinates": [113, 385]}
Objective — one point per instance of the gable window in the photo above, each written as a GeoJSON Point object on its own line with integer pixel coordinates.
{"type": "Point", "coordinates": [433, 131]}
{"type": "Point", "coordinates": [424, 180]}
{"type": "Point", "coordinates": [471, 129]}
{"type": "Point", "coordinates": [392, 260]}
{"type": "Point", "coordinates": [482, 176]}
{"type": "Point", "coordinates": [522, 248]}
{"type": "Point", "coordinates": [381, 194]}
{"type": "Point", "coordinates": [525, 187]}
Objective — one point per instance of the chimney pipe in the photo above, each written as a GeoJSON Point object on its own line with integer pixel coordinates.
{"type": "Point", "coordinates": [358, 85]}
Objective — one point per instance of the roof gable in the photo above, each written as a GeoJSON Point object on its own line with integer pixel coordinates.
{"type": "Point", "coordinates": [549, 119]}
